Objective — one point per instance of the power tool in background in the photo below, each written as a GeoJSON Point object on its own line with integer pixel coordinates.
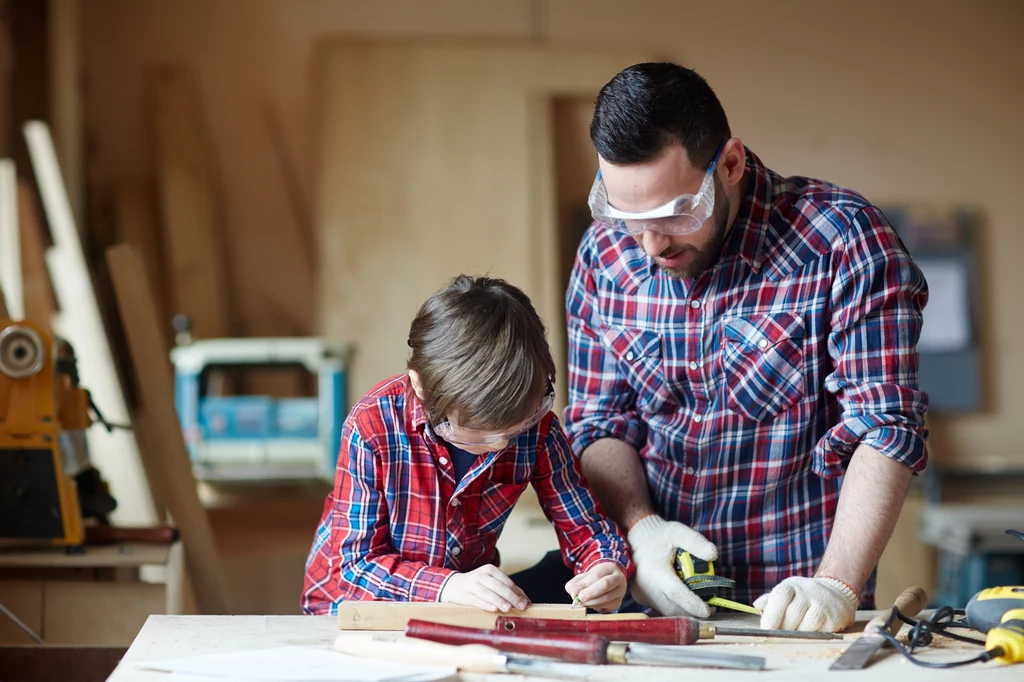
{"type": "Point", "coordinates": [699, 576]}
{"type": "Point", "coordinates": [48, 488]}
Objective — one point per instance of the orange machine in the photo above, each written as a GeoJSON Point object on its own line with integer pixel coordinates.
{"type": "Point", "coordinates": [47, 485]}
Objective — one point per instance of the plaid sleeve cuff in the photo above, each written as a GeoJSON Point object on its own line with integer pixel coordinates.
{"type": "Point", "coordinates": [894, 437]}
{"type": "Point", "coordinates": [626, 427]}
{"type": "Point", "coordinates": [428, 582]}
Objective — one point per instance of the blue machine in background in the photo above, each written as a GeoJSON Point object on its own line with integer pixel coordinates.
{"type": "Point", "coordinates": [259, 437]}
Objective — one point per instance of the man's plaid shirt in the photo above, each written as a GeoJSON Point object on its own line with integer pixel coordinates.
{"type": "Point", "coordinates": [747, 389]}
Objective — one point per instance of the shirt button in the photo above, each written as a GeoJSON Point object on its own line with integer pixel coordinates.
{"type": "Point", "coordinates": [693, 366]}
{"type": "Point", "coordinates": [763, 343]}
{"type": "Point", "coordinates": [455, 502]}
{"type": "Point", "coordinates": [691, 470]}
{"type": "Point", "coordinates": [456, 551]}
{"type": "Point", "coordinates": [443, 460]}
{"type": "Point", "coordinates": [629, 356]}
{"type": "Point", "coordinates": [697, 418]}
{"type": "Point", "coordinates": [694, 304]}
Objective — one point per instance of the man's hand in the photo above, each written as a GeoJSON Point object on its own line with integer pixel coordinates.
{"type": "Point", "coordinates": [808, 604]}
{"type": "Point", "coordinates": [601, 588]}
{"type": "Point", "coordinates": [653, 542]}
{"type": "Point", "coordinates": [485, 588]}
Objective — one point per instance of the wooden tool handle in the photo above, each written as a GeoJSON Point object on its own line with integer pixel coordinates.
{"type": "Point", "coordinates": [471, 658]}
{"type": "Point", "coordinates": [671, 630]}
{"type": "Point", "coordinates": [910, 602]}
{"type": "Point", "coordinates": [562, 646]}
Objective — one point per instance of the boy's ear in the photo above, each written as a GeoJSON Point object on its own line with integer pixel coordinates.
{"type": "Point", "coordinates": [417, 385]}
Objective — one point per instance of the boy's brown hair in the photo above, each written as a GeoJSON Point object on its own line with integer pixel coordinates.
{"type": "Point", "coordinates": [480, 350]}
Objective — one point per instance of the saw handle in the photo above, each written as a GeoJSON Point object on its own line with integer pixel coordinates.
{"type": "Point", "coordinates": [670, 630]}
{"type": "Point", "coordinates": [572, 648]}
{"type": "Point", "coordinates": [910, 602]}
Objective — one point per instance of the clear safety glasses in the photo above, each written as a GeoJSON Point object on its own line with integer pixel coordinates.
{"type": "Point", "coordinates": [472, 438]}
{"type": "Point", "coordinates": [683, 215]}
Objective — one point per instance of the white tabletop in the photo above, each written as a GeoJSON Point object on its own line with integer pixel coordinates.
{"type": "Point", "coordinates": [166, 637]}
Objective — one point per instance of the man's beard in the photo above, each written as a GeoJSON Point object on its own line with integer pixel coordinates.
{"type": "Point", "coordinates": [706, 257]}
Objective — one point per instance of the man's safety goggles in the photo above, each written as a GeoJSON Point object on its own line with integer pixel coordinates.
{"type": "Point", "coordinates": [683, 215]}
{"type": "Point", "coordinates": [474, 438]}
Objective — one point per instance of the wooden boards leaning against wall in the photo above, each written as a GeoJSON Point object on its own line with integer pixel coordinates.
{"type": "Point", "coordinates": [437, 160]}
{"type": "Point", "coordinates": [157, 419]}
{"type": "Point", "coordinates": [115, 453]}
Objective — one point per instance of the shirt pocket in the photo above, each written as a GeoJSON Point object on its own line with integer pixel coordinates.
{"type": "Point", "coordinates": [763, 363]}
{"type": "Point", "coordinates": [639, 357]}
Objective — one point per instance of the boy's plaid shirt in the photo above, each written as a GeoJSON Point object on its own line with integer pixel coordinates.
{"type": "Point", "coordinates": [747, 390]}
{"type": "Point", "coordinates": [396, 525]}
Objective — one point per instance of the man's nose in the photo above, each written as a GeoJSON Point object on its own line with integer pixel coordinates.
{"type": "Point", "coordinates": [654, 243]}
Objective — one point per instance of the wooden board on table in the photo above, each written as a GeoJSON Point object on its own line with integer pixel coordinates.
{"type": "Point", "coordinates": [390, 615]}
{"type": "Point", "coordinates": [157, 418]}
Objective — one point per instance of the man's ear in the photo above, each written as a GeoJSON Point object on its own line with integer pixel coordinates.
{"type": "Point", "coordinates": [732, 161]}
{"type": "Point", "coordinates": [417, 385]}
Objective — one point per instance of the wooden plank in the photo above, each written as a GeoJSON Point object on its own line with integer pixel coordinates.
{"type": "Point", "coordinates": [388, 615]}
{"type": "Point", "coordinates": [40, 303]}
{"type": "Point", "coordinates": [11, 282]}
{"type": "Point", "coordinates": [115, 453]}
{"type": "Point", "coordinates": [196, 263]}
{"type": "Point", "coordinates": [159, 420]}
{"type": "Point", "coordinates": [65, 71]}
{"type": "Point", "coordinates": [136, 223]}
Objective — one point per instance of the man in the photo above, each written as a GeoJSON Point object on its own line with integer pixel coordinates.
{"type": "Point", "coordinates": [741, 347]}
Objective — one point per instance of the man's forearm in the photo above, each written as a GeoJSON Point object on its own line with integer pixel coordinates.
{"type": "Point", "coordinates": [869, 505]}
{"type": "Point", "coordinates": [616, 474]}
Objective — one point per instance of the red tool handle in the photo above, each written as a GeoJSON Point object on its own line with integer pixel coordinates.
{"type": "Point", "coordinates": [673, 630]}
{"type": "Point", "coordinates": [565, 647]}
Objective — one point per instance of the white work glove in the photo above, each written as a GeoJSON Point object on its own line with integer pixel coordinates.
{"type": "Point", "coordinates": [808, 604]}
{"type": "Point", "coordinates": [653, 542]}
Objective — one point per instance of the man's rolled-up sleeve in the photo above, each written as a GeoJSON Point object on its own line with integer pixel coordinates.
{"type": "Point", "coordinates": [601, 402]}
{"type": "Point", "coordinates": [878, 297]}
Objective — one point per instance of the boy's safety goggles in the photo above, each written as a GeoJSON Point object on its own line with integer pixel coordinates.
{"type": "Point", "coordinates": [683, 215]}
{"type": "Point", "coordinates": [474, 438]}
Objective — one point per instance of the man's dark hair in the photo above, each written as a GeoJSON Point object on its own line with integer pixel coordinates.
{"type": "Point", "coordinates": [481, 350]}
{"type": "Point", "coordinates": [647, 107]}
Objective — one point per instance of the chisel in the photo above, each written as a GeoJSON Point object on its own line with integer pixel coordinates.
{"type": "Point", "coordinates": [910, 602]}
{"type": "Point", "coordinates": [665, 630]}
{"type": "Point", "coordinates": [593, 649]}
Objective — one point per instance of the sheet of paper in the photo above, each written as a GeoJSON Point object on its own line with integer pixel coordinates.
{"type": "Point", "coordinates": [946, 324]}
{"type": "Point", "coordinates": [295, 664]}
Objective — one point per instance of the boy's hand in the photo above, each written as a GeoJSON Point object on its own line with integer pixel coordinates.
{"type": "Point", "coordinates": [601, 588]}
{"type": "Point", "coordinates": [485, 588]}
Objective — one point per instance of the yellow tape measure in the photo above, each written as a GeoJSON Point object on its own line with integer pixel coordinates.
{"type": "Point", "coordinates": [699, 576]}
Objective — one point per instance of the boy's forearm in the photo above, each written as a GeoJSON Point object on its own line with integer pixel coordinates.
{"type": "Point", "coordinates": [616, 474]}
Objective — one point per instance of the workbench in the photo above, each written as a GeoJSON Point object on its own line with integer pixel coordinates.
{"type": "Point", "coordinates": [166, 637]}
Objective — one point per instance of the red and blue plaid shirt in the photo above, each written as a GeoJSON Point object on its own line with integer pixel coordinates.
{"type": "Point", "coordinates": [397, 524]}
{"type": "Point", "coordinates": [747, 389]}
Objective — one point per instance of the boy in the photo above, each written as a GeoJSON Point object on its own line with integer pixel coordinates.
{"type": "Point", "coordinates": [433, 461]}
